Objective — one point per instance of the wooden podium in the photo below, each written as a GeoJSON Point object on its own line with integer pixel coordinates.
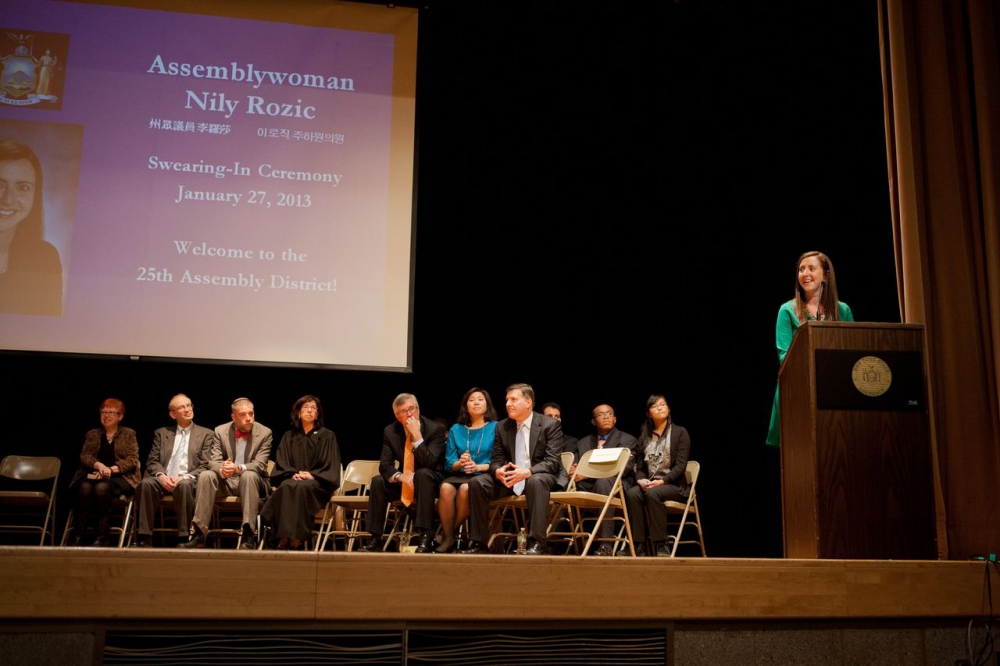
{"type": "Point", "coordinates": [857, 480]}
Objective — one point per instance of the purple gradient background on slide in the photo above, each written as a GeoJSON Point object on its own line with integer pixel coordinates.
{"type": "Point", "coordinates": [128, 222]}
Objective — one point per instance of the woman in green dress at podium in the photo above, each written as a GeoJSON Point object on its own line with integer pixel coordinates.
{"type": "Point", "coordinates": [815, 300]}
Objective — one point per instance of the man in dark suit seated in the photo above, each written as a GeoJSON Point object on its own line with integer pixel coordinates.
{"type": "Point", "coordinates": [569, 442]}
{"type": "Point", "coordinates": [525, 461]}
{"type": "Point", "coordinates": [605, 436]}
{"type": "Point", "coordinates": [410, 469]}
{"type": "Point", "coordinates": [180, 452]}
{"type": "Point", "coordinates": [569, 446]}
{"type": "Point", "coordinates": [237, 468]}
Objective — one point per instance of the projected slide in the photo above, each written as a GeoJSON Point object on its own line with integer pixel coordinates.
{"type": "Point", "coordinates": [210, 187]}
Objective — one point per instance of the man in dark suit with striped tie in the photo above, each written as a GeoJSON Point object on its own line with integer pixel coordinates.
{"type": "Point", "coordinates": [410, 470]}
{"type": "Point", "coordinates": [526, 461]}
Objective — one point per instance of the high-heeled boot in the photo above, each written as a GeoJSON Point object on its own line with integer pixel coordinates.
{"type": "Point", "coordinates": [103, 532]}
{"type": "Point", "coordinates": [80, 521]}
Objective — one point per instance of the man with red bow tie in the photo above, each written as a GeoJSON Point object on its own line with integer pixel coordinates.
{"type": "Point", "coordinates": [238, 468]}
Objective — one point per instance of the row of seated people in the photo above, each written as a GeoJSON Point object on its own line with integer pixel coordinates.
{"type": "Point", "coordinates": [196, 465]}
{"type": "Point", "coordinates": [485, 460]}
{"type": "Point", "coordinates": [454, 473]}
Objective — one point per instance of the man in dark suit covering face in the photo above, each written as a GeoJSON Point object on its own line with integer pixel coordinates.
{"type": "Point", "coordinates": [425, 440]}
{"type": "Point", "coordinates": [525, 461]}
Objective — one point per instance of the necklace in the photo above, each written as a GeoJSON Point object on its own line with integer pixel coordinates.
{"type": "Point", "coordinates": [468, 439]}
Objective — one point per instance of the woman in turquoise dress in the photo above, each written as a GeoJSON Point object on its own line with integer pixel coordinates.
{"type": "Point", "coordinates": [470, 446]}
{"type": "Point", "coordinates": [815, 300]}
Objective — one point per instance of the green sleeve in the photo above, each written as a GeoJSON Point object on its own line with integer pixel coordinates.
{"type": "Point", "coordinates": [845, 311]}
{"type": "Point", "coordinates": [785, 329]}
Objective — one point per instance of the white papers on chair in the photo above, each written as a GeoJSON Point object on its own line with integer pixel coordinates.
{"type": "Point", "coordinates": [604, 455]}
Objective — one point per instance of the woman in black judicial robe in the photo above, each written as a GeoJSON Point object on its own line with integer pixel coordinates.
{"type": "Point", "coordinates": [306, 472]}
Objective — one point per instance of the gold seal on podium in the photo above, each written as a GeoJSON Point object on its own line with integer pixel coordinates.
{"type": "Point", "coordinates": [871, 376]}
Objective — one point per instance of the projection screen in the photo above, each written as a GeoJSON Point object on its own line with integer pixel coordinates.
{"type": "Point", "coordinates": [226, 181]}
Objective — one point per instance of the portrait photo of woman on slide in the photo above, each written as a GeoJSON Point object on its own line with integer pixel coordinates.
{"type": "Point", "coordinates": [30, 268]}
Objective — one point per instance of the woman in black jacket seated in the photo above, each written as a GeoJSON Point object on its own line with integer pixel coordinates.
{"type": "Point", "coordinates": [662, 452]}
{"type": "Point", "coordinates": [306, 472]}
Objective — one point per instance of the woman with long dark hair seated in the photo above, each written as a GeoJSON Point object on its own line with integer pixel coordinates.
{"type": "Point", "coordinates": [661, 455]}
{"type": "Point", "coordinates": [467, 454]}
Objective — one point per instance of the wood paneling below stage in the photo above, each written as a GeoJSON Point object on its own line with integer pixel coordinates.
{"type": "Point", "coordinates": [108, 584]}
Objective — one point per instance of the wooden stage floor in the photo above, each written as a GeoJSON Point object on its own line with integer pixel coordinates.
{"type": "Point", "coordinates": [52, 583]}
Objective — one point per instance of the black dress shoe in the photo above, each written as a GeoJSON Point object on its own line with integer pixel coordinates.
{"type": "Point", "coordinates": [102, 541]}
{"type": "Point", "coordinates": [427, 544]}
{"type": "Point", "coordinates": [76, 542]}
{"type": "Point", "coordinates": [248, 543]}
{"type": "Point", "coordinates": [142, 541]}
{"type": "Point", "coordinates": [603, 551]}
{"type": "Point", "coordinates": [371, 545]}
{"type": "Point", "coordinates": [660, 549]}
{"type": "Point", "coordinates": [197, 540]}
{"type": "Point", "coordinates": [475, 548]}
{"type": "Point", "coordinates": [536, 549]}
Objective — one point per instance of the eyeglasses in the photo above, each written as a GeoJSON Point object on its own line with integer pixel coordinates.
{"type": "Point", "coordinates": [105, 412]}
{"type": "Point", "coordinates": [406, 412]}
{"type": "Point", "coordinates": [603, 415]}
{"type": "Point", "coordinates": [181, 408]}
{"type": "Point", "coordinates": [659, 405]}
